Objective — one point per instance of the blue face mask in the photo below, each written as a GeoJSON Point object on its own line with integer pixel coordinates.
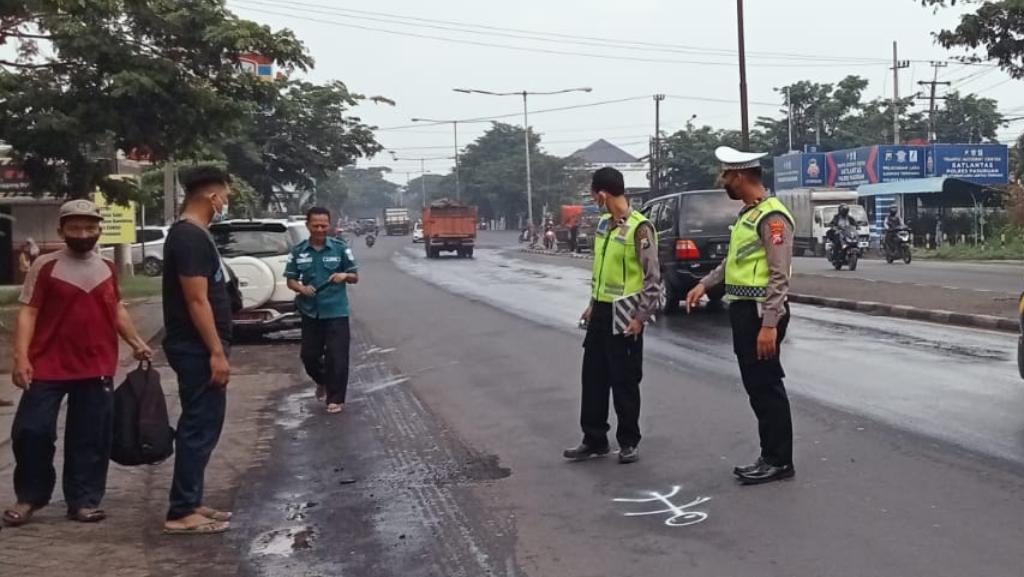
{"type": "Point", "coordinates": [222, 215]}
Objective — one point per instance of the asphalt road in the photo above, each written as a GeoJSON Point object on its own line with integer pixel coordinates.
{"type": "Point", "coordinates": [989, 277]}
{"type": "Point", "coordinates": [910, 444]}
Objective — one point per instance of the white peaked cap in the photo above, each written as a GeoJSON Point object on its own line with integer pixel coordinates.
{"type": "Point", "coordinates": [733, 159]}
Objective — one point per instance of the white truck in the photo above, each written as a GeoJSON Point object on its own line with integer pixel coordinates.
{"type": "Point", "coordinates": [813, 209]}
{"type": "Point", "coordinates": [396, 221]}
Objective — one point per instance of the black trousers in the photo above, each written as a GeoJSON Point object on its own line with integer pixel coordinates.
{"type": "Point", "coordinates": [203, 408]}
{"type": "Point", "coordinates": [88, 434]}
{"type": "Point", "coordinates": [763, 382]}
{"type": "Point", "coordinates": [610, 362]}
{"type": "Point", "coordinates": [325, 345]}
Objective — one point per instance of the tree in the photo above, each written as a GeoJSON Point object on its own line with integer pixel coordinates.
{"type": "Point", "coordinates": [367, 191]}
{"type": "Point", "coordinates": [244, 199]}
{"type": "Point", "coordinates": [304, 135]}
{"type": "Point", "coordinates": [436, 186]}
{"type": "Point", "coordinates": [968, 119]}
{"type": "Point", "coordinates": [688, 156]}
{"type": "Point", "coordinates": [995, 28]}
{"type": "Point", "coordinates": [493, 174]}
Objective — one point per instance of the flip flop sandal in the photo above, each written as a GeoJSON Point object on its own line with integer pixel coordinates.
{"type": "Point", "coordinates": [13, 518]}
{"type": "Point", "coordinates": [214, 515]}
{"type": "Point", "coordinates": [211, 528]}
{"type": "Point", "coordinates": [334, 409]}
{"type": "Point", "coordinates": [84, 516]}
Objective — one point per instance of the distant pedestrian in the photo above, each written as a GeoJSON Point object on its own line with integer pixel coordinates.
{"type": "Point", "coordinates": [626, 292]}
{"type": "Point", "coordinates": [756, 274]}
{"type": "Point", "coordinates": [65, 343]}
{"type": "Point", "coordinates": [319, 270]}
{"type": "Point", "coordinates": [197, 319]}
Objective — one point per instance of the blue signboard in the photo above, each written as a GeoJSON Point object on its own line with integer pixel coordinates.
{"type": "Point", "coordinates": [896, 163]}
{"type": "Point", "coordinates": [787, 172]}
{"type": "Point", "coordinates": [852, 168]}
{"type": "Point", "coordinates": [813, 170]}
{"type": "Point", "coordinates": [979, 163]}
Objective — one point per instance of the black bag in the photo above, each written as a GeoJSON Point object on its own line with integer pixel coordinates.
{"type": "Point", "coordinates": [142, 429]}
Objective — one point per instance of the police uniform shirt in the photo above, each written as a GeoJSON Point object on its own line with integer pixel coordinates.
{"type": "Point", "coordinates": [647, 254]}
{"type": "Point", "coordinates": [776, 233]}
{"type": "Point", "coordinates": [313, 267]}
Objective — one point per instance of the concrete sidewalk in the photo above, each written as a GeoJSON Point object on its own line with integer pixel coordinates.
{"type": "Point", "coordinates": [130, 541]}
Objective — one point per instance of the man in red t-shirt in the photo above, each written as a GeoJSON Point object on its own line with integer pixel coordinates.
{"type": "Point", "coordinates": [65, 343]}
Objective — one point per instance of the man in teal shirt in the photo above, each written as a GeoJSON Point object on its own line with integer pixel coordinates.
{"type": "Point", "coordinates": [319, 270]}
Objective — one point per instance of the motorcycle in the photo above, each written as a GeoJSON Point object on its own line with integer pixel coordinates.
{"type": "Point", "coordinates": [901, 246]}
{"type": "Point", "coordinates": [549, 240]}
{"type": "Point", "coordinates": [844, 249]}
{"type": "Point", "coordinates": [370, 239]}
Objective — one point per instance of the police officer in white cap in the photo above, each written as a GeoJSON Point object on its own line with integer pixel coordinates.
{"type": "Point", "coordinates": [756, 275]}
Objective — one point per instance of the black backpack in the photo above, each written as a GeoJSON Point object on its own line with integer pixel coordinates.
{"type": "Point", "coordinates": [142, 429]}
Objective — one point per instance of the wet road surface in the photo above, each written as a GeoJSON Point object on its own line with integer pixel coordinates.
{"type": "Point", "coordinates": [910, 444]}
{"type": "Point", "coordinates": [985, 277]}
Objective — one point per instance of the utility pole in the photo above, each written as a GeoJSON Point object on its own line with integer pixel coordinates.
{"type": "Point", "coordinates": [423, 181]}
{"type": "Point", "coordinates": [455, 130]}
{"type": "Point", "coordinates": [897, 65]}
{"type": "Point", "coordinates": [170, 192]}
{"type": "Point", "coordinates": [744, 114]}
{"type": "Point", "coordinates": [933, 84]}
{"type": "Point", "coordinates": [656, 153]}
{"type": "Point", "coordinates": [789, 116]}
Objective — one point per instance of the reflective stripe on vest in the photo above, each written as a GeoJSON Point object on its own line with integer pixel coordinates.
{"type": "Point", "coordinates": [617, 270]}
{"type": "Point", "coordinates": [746, 270]}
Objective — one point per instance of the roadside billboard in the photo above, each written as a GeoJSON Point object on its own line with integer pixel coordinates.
{"type": "Point", "coordinates": [852, 168]}
{"type": "Point", "coordinates": [896, 163]}
{"type": "Point", "coordinates": [118, 221]}
{"type": "Point", "coordinates": [978, 163]}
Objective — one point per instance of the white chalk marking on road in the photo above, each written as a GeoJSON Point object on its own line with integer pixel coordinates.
{"type": "Point", "coordinates": [385, 385]}
{"type": "Point", "coordinates": [378, 351]}
{"type": "Point", "coordinates": [680, 516]}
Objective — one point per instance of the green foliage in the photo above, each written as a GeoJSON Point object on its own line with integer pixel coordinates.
{"type": "Point", "coordinates": [992, 32]}
{"type": "Point", "coordinates": [493, 175]}
{"type": "Point", "coordinates": [358, 192]}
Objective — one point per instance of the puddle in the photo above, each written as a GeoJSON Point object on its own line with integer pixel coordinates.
{"type": "Point", "coordinates": [284, 542]}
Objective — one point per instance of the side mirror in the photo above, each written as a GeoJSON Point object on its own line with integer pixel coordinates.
{"type": "Point", "coordinates": [817, 219]}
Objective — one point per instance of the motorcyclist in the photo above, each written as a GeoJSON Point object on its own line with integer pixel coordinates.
{"type": "Point", "coordinates": [841, 221]}
{"type": "Point", "coordinates": [893, 224]}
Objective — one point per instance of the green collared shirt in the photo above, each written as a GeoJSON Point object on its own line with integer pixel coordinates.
{"type": "Point", "coordinates": [314, 267]}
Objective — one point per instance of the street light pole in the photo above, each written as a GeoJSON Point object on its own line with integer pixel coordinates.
{"type": "Point", "coordinates": [526, 130]}
{"type": "Point", "coordinates": [744, 114]}
{"type": "Point", "coordinates": [455, 130]}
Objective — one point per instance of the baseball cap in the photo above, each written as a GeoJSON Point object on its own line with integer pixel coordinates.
{"type": "Point", "coordinates": [80, 207]}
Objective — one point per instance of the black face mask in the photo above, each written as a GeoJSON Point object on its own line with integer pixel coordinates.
{"type": "Point", "coordinates": [81, 244]}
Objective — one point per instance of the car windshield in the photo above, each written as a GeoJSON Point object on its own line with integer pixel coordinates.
{"type": "Point", "coordinates": [708, 213]}
{"type": "Point", "coordinates": [256, 242]}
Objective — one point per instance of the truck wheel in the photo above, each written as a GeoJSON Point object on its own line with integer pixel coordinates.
{"type": "Point", "coordinates": [469, 253]}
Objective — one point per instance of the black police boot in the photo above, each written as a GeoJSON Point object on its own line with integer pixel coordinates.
{"type": "Point", "coordinates": [628, 455]}
{"type": "Point", "coordinates": [583, 451]}
{"type": "Point", "coordinates": [748, 468]}
{"type": "Point", "coordinates": [766, 473]}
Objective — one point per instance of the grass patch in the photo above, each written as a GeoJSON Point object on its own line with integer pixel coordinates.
{"type": "Point", "coordinates": [1013, 251]}
{"type": "Point", "coordinates": [9, 296]}
{"type": "Point", "coordinates": [140, 287]}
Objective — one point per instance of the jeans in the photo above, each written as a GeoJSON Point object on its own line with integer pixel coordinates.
{"type": "Point", "coordinates": [325, 354]}
{"type": "Point", "coordinates": [88, 434]}
{"type": "Point", "coordinates": [610, 362]}
{"type": "Point", "coordinates": [203, 406]}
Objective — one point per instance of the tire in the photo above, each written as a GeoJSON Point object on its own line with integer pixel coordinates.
{"type": "Point", "coordinates": [426, 249]}
{"type": "Point", "coordinates": [907, 256]}
{"type": "Point", "coordinates": [256, 280]}
{"type": "Point", "coordinates": [837, 264]}
{"type": "Point", "coordinates": [153, 266]}
{"type": "Point", "coordinates": [888, 258]}
{"type": "Point", "coordinates": [853, 261]}
{"type": "Point", "coordinates": [469, 253]}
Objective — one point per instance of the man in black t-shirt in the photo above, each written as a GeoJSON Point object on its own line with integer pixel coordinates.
{"type": "Point", "coordinates": [197, 319]}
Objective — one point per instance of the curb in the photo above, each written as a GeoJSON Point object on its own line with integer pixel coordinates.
{"type": "Point", "coordinates": [912, 313]}
{"type": "Point", "coordinates": [988, 322]}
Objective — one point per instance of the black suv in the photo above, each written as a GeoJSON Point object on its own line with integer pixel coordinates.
{"type": "Point", "coordinates": [693, 239]}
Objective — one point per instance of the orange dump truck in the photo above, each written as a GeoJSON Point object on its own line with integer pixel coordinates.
{"type": "Point", "coordinates": [449, 226]}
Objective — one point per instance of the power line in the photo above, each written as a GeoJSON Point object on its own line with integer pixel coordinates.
{"type": "Point", "coordinates": [528, 49]}
{"type": "Point", "coordinates": [517, 114]}
{"type": "Point", "coordinates": [519, 33]}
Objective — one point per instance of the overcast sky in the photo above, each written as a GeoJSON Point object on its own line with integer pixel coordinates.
{"type": "Point", "coordinates": [784, 37]}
